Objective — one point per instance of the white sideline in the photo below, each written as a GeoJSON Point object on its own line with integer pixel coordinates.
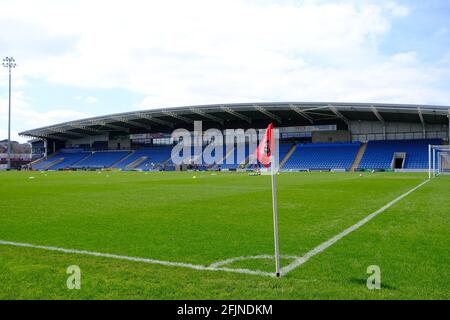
{"type": "Point", "coordinates": [299, 261]}
{"type": "Point", "coordinates": [216, 266]}
{"type": "Point", "coordinates": [137, 259]}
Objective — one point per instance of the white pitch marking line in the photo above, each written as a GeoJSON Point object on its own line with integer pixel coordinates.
{"type": "Point", "coordinates": [299, 261]}
{"type": "Point", "coordinates": [137, 259]}
{"type": "Point", "coordinates": [264, 256]}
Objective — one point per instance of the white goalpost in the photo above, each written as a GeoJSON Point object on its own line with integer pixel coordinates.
{"type": "Point", "coordinates": [438, 160]}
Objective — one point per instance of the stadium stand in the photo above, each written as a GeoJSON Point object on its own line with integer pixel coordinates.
{"type": "Point", "coordinates": [133, 160]}
{"type": "Point", "coordinates": [310, 135]}
{"type": "Point", "coordinates": [284, 150]}
{"type": "Point", "coordinates": [61, 160]}
{"type": "Point", "coordinates": [45, 163]}
{"type": "Point", "coordinates": [380, 154]}
{"type": "Point", "coordinates": [233, 157]}
{"type": "Point", "coordinates": [101, 159]}
{"type": "Point", "coordinates": [156, 158]}
{"type": "Point", "coordinates": [69, 159]}
{"type": "Point", "coordinates": [323, 156]}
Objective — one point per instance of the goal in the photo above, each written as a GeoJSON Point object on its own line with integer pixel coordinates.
{"type": "Point", "coordinates": [438, 160]}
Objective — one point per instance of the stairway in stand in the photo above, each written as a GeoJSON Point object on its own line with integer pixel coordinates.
{"type": "Point", "coordinates": [358, 157]}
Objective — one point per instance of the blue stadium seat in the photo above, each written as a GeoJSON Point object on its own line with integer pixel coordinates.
{"type": "Point", "coordinates": [323, 156]}
{"type": "Point", "coordinates": [69, 160]}
{"type": "Point", "coordinates": [155, 158]}
{"type": "Point", "coordinates": [101, 159]}
{"type": "Point", "coordinates": [314, 156]}
{"type": "Point", "coordinates": [379, 154]}
{"type": "Point", "coordinates": [63, 159]}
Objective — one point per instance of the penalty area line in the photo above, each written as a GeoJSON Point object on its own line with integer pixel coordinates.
{"type": "Point", "coordinates": [301, 260]}
{"type": "Point", "coordinates": [137, 259]}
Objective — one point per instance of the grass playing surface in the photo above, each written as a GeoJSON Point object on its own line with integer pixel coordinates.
{"type": "Point", "coordinates": [173, 217]}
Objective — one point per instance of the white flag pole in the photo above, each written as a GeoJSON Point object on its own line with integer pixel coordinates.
{"type": "Point", "coordinates": [273, 163]}
{"type": "Point", "coordinates": [275, 224]}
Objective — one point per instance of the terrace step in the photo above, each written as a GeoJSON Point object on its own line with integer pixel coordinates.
{"type": "Point", "coordinates": [137, 162]}
{"type": "Point", "coordinates": [87, 156]}
{"type": "Point", "coordinates": [53, 163]}
{"type": "Point", "coordinates": [359, 155]}
{"type": "Point", "coordinates": [123, 159]}
{"type": "Point", "coordinates": [288, 155]}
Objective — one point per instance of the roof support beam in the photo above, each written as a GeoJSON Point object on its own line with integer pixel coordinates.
{"type": "Point", "coordinates": [380, 118]}
{"type": "Point", "coordinates": [378, 115]}
{"type": "Point", "coordinates": [301, 113]}
{"type": "Point", "coordinates": [138, 124]}
{"type": "Point", "coordinates": [51, 136]}
{"type": "Point", "coordinates": [422, 120]}
{"type": "Point", "coordinates": [268, 113]}
{"type": "Point", "coordinates": [177, 116]}
{"type": "Point", "coordinates": [133, 123]}
{"type": "Point", "coordinates": [111, 126]}
{"type": "Point", "coordinates": [315, 108]}
{"type": "Point", "coordinates": [155, 120]}
{"type": "Point", "coordinates": [206, 115]}
{"type": "Point", "coordinates": [338, 114]}
{"type": "Point", "coordinates": [236, 114]}
{"type": "Point", "coordinates": [69, 133]}
{"type": "Point", "coordinates": [85, 128]}
{"type": "Point", "coordinates": [48, 135]}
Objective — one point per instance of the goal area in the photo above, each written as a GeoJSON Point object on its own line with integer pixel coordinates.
{"type": "Point", "coordinates": [438, 160]}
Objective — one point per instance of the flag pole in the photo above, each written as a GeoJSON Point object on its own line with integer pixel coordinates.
{"type": "Point", "coordinates": [267, 154]}
{"type": "Point", "coordinates": [275, 220]}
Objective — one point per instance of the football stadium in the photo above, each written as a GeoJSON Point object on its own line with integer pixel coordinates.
{"type": "Point", "coordinates": [362, 196]}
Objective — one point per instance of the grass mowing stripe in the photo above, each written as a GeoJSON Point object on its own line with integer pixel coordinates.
{"type": "Point", "coordinates": [298, 262]}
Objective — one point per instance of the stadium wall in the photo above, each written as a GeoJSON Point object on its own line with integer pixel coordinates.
{"type": "Point", "coordinates": [331, 136]}
{"type": "Point", "coordinates": [87, 140]}
{"type": "Point", "coordinates": [365, 131]}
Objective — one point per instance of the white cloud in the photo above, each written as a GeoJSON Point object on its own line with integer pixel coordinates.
{"type": "Point", "coordinates": [23, 115]}
{"type": "Point", "coordinates": [405, 57]}
{"type": "Point", "coordinates": [149, 47]}
{"type": "Point", "coordinates": [397, 10]}
{"type": "Point", "coordinates": [198, 52]}
{"type": "Point", "coordinates": [89, 100]}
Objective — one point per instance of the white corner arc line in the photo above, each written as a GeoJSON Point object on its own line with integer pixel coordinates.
{"type": "Point", "coordinates": [298, 262]}
{"type": "Point", "coordinates": [137, 259]}
{"type": "Point", "coordinates": [264, 256]}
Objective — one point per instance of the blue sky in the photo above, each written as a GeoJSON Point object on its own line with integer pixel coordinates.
{"type": "Point", "coordinates": [85, 58]}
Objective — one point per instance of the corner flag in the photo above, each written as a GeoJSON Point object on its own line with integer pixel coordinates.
{"type": "Point", "coordinates": [264, 150]}
{"type": "Point", "coordinates": [265, 155]}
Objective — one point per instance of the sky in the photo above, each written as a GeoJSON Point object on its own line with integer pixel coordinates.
{"type": "Point", "coordinates": [82, 58]}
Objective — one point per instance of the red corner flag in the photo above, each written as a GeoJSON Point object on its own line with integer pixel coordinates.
{"type": "Point", "coordinates": [264, 150]}
{"type": "Point", "coordinates": [264, 154]}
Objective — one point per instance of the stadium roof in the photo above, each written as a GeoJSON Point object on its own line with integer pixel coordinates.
{"type": "Point", "coordinates": [242, 115]}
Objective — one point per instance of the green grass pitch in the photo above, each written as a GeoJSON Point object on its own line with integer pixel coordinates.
{"type": "Point", "coordinates": [173, 217]}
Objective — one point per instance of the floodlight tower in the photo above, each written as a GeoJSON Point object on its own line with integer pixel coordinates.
{"type": "Point", "coordinates": [9, 63]}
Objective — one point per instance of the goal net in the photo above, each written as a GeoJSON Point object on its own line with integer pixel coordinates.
{"type": "Point", "coordinates": [439, 160]}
